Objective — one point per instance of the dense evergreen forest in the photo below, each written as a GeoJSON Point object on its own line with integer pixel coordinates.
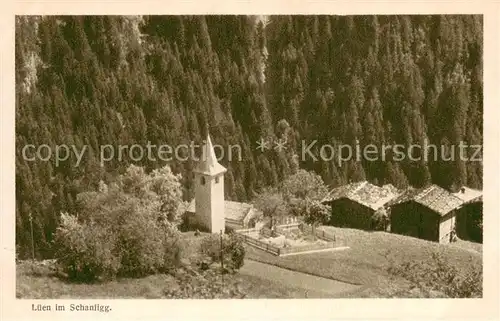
{"type": "Point", "coordinates": [99, 80]}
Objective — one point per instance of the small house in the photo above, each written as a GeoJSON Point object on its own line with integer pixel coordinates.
{"type": "Point", "coordinates": [427, 213]}
{"type": "Point", "coordinates": [237, 215]}
{"type": "Point", "coordinates": [355, 205]}
{"type": "Point", "coordinates": [470, 216]}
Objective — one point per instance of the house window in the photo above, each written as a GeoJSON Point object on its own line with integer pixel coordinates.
{"type": "Point", "coordinates": [216, 179]}
{"type": "Point", "coordinates": [202, 180]}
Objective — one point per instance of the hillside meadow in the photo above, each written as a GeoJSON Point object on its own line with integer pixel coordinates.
{"type": "Point", "coordinates": [369, 257]}
{"type": "Point", "coordinates": [365, 263]}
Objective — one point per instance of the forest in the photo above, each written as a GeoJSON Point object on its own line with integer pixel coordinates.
{"type": "Point", "coordinates": [123, 80]}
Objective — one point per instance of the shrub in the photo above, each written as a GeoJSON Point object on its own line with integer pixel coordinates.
{"type": "Point", "coordinates": [145, 245]}
{"type": "Point", "coordinates": [85, 250]}
{"type": "Point", "coordinates": [380, 220]}
{"type": "Point", "coordinates": [440, 278]}
{"type": "Point", "coordinates": [126, 229]}
{"type": "Point", "coordinates": [304, 184]}
{"type": "Point", "coordinates": [233, 251]}
{"type": "Point", "coordinates": [206, 285]}
{"type": "Point", "coordinates": [135, 246]}
{"type": "Point", "coordinates": [237, 251]}
{"type": "Point", "coordinates": [272, 205]}
{"type": "Point", "coordinates": [315, 213]}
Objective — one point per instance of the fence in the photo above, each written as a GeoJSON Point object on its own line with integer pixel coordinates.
{"type": "Point", "coordinates": [266, 232]}
{"type": "Point", "coordinates": [308, 247]}
{"type": "Point", "coordinates": [284, 250]}
{"type": "Point", "coordinates": [325, 235]}
{"type": "Point", "coordinates": [287, 220]}
{"type": "Point", "coordinates": [331, 241]}
{"type": "Point", "coordinates": [285, 227]}
{"type": "Point", "coordinates": [246, 230]}
{"type": "Point", "coordinates": [257, 243]}
{"type": "Point", "coordinates": [319, 232]}
{"type": "Point", "coordinates": [280, 229]}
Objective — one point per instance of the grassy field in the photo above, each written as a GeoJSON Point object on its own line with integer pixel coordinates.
{"type": "Point", "coordinates": [43, 284]}
{"type": "Point", "coordinates": [365, 263]}
{"type": "Point", "coordinates": [39, 281]}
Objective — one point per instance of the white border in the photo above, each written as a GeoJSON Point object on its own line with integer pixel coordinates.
{"type": "Point", "coordinates": [453, 309]}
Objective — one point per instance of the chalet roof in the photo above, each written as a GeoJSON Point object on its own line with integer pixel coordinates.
{"type": "Point", "coordinates": [364, 193]}
{"type": "Point", "coordinates": [342, 191]}
{"type": "Point", "coordinates": [208, 163]}
{"type": "Point", "coordinates": [468, 194]}
{"type": "Point", "coordinates": [232, 210]}
{"type": "Point", "coordinates": [433, 197]}
{"type": "Point", "coordinates": [406, 195]}
{"type": "Point", "coordinates": [478, 199]}
{"type": "Point", "coordinates": [392, 188]}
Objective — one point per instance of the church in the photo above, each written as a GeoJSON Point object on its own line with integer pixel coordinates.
{"type": "Point", "coordinates": [209, 211]}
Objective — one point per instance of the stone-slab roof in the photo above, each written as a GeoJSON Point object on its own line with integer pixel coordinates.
{"type": "Point", "coordinates": [433, 197]}
{"type": "Point", "coordinates": [468, 194]}
{"type": "Point", "coordinates": [364, 193]}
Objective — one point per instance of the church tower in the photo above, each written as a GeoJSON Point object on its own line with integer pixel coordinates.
{"type": "Point", "coordinates": [209, 190]}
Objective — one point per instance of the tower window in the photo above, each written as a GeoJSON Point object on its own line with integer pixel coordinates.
{"type": "Point", "coordinates": [202, 180]}
{"type": "Point", "coordinates": [216, 179]}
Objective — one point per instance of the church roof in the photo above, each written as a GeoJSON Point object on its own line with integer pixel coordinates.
{"type": "Point", "coordinates": [208, 163]}
{"type": "Point", "coordinates": [232, 210]}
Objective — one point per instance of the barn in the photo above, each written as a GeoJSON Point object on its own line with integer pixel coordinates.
{"type": "Point", "coordinates": [427, 213]}
{"type": "Point", "coordinates": [354, 205]}
{"type": "Point", "coordinates": [470, 216]}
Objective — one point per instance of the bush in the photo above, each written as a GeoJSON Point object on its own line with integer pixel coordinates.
{"type": "Point", "coordinates": [440, 278]}
{"type": "Point", "coordinates": [146, 246]}
{"type": "Point", "coordinates": [135, 246]}
{"type": "Point", "coordinates": [125, 229]}
{"type": "Point", "coordinates": [380, 220]}
{"type": "Point", "coordinates": [233, 250]}
{"type": "Point", "coordinates": [85, 250]}
{"type": "Point", "coordinates": [207, 285]}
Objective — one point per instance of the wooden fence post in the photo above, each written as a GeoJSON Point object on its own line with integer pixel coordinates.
{"type": "Point", "coordinates": [222, 257]}
{"type": "Point", "coordinates": [32, 238]}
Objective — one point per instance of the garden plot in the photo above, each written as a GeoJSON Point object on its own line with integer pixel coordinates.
{"type": "Point", "coordinates": [286, 240]}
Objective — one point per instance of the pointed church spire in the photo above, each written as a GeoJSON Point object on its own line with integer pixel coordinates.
{"type": "Point", "coordinates": [209, 153]}
{"type": "Point", "coordinates": [208, 163]}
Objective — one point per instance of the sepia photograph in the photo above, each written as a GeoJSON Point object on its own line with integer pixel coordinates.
{"type": "Point", "coordinates": [248, 157]}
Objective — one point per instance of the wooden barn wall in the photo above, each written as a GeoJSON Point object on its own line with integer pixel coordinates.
{"type": "Point", "coordinates": [413, 219]}
{"type": "Point", "coordinates": [346, 213]}
{"type": "Point", "coordinates": [405, 219]}
{"type": "Point", "coordinates": [429, 224]}
{"type": "Point", "coordinates": [468, 218]}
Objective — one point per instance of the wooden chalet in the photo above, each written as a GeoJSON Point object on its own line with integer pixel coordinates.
{"type": "Point", "coordinates": [470, 216]}
{"type": "Point", "coordinates": [427, 213]}
{"type": "Point", "coordinates": [354, 205]}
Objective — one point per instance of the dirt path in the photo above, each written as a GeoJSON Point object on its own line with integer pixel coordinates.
{"type": "Point", "coordinates": [296, 279]}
